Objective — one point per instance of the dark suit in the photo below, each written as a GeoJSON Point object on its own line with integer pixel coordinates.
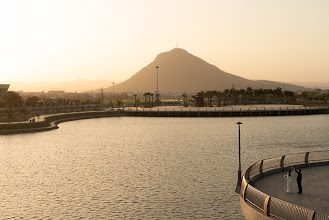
{"type": "Point", "coordinates": [299, 181]}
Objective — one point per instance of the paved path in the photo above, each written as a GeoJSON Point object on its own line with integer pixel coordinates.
{"type": "Point", "coordinates": [315, 185]}
{"type": "Point", "coordinates": [226, 108]}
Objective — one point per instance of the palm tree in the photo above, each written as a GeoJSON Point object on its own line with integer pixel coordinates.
{"type": "Point", "coordinates": [304, 95]}
{"type": "Point", "coordinates": [119, 102]}
{"type": "Point", "coordinates": [145, 96]}
{"type": "Point", "coordinates": [242, 94]}
{"type": "Point", "coordinates": [250, 93]}
{"type": "Point", "coordinates": [200, 96]}
{"type": "Point", "coordinates": [289, 95]}
{"type": "Point", "coordinates": [184, 100]}
{"type": "Point", "coordinates": [219, 95]}
{"type": "Point", "coordinates": [111, 104]}
{"type": "Point", "coordinates": [135, 100]}
{"type": "Point", "coordinates": [157, 99]}
{"type": "Point", "coordinates": [151, 94]}
{"type": "Point", "coordinates": [226, 96]}
{"type": "Point", "coordinates": [192, 100]}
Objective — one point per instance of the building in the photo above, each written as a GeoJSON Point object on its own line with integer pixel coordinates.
{"type": "Point", "coordinates": [3, 90]}
{"type": "Point", "coordinates": [56, 94]}
{"type": "Point", "coordinates": [198, 101]}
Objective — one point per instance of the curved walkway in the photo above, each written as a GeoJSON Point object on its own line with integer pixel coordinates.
{"type": "Point", "coordinates": [315, 184]}
{"type": "Point", "coordinates": [46, 123]}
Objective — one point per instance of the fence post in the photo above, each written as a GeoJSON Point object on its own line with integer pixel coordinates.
{"type": "Point", "coordinates": [267, 205]}
{"type": "Point", "coordinates": [282, 162]}
{"type": "Point", "coordinates": [243, 191]}
{"type": "Point", "coordinates": [306, 157]}
{"type": "Point", "coordinates": [310, 215]}
{"type": "Point", "coordinates": [261, 168]}
{"type": "Point", "coordinates": [247, 174]}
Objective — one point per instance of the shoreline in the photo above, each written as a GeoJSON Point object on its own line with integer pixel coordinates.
{"type": "Point", "coordinates": [50, 122]}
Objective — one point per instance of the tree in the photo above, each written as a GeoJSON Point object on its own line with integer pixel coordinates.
{"type": "Point", "coordinates": [219, 95]}
{"type": "Point", "coordinates": [32, 101]}
{"type": "Point", "coordinates": [119, 102]}
{"type": "Point", "coordinates": [157, 99]}
{"type": "Point", "coordinates": [184, 100]}
{"type": "Point", "coordinates": [111, 104]}
{"type": "Point", "coordinates": [145, 95]}
{"type": "Point", "coordinates": [12, 100]}
{"type": "Point", "coordinates": [77, 102]}
{"type": "Point", "coordinates": [151, 94]}
{"type": "Point", "coordinates": [209, 95]}
{"type": "Point", "coordinates": [135, 100]}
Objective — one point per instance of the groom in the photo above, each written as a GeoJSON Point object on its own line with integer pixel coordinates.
{"type": "Point", "coordinates": [299, 180]}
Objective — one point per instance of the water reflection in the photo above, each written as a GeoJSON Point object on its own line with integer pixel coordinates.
{"type": "Point", "coordinates": [134, 168]}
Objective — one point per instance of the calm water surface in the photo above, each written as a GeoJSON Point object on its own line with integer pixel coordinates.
{"type": "Point", "coordinates": [143, 168]}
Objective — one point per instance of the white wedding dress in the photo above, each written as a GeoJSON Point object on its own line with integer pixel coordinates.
{"type": "Point", "coordinates": [289, 182]}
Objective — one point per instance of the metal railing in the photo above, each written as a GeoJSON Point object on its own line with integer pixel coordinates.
{"type": "Point", "coordinates": [223, 109]}
{"type": "Point", "coordinates": [274, 207]}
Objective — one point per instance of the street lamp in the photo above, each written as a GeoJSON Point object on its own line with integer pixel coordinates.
{"type": "Point", "coordinates": [113, 90]}
{"type": "Point", "coordinates": [238, 184]}
{"type": "Point", "coordinates": [157, 93]}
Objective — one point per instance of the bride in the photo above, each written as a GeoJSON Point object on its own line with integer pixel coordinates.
{"type": "Point", "coordinates": [289, 180]}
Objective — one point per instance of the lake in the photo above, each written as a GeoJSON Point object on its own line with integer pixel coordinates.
{"type": "Point", "coordinates": [143, 168]}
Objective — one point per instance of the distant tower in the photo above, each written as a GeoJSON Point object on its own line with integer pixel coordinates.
{"type": "Point", "coordinates": [113, 90]}
{"type": "Point", "coordinates": [157, 92]}
{"type": "Point", "coordinates": [102, 94]}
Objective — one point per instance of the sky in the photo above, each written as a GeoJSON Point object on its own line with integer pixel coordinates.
{"type": "Point", "coordinates": [59, 40]}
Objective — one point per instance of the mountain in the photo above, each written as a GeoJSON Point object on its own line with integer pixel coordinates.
{"type": "Point", "coordinates": [313, 85]}
{"type": "Point", "coordinates": [182, 71]}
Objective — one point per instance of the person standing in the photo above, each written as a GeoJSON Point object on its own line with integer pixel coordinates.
{"type": "Point", "coordinates": [299, 180]}
{"type": "Point", "coordinates": [289, 181]}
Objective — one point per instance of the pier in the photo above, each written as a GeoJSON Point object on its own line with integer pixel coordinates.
{"type": "Point", "coordinates": [228, 111]}
{"type": "Point", "coordinates": [263, 189]}
{"type": "Point", "coordinates": [49, 122]}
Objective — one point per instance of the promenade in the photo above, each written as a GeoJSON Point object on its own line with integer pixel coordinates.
{"type": "Point", "coordinates": [227, 111]}
{"type": "Point", "coordinates": [223, 108]}
{"type": "Point", "coordinates": [315, 194]}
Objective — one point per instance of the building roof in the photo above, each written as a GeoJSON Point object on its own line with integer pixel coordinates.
{"type": "Point", "coordinates": [4, 86]}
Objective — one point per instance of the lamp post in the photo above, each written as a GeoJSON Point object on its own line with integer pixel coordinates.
{"type": "Point", "coordinates": [157, 93]}
{"type": "Point", "coordinates": [238, 184]}
{"type": "Point", "coordinates": [113, 90]}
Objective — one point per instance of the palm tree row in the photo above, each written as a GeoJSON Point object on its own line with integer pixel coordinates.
{"type": "Point", "coordinates": [248, 96]}
{"type": "Point", "coordinates": [148, 96]}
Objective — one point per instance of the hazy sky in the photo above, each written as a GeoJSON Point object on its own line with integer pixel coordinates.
{"type": "Point", "coordinates": [281, 40]}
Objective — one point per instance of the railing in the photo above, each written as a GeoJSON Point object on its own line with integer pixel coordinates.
{"type": "Point", "coordinates": [274, 207]}
{"type": "Point", "coordinates": [223, 109]}
{"type": "Point", "coordinates": [243, 111]}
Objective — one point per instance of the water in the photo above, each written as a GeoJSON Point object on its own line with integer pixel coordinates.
{"type": "Point", "coordinates": [143, 168]}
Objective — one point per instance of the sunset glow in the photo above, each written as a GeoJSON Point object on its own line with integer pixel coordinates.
{"type": "Point", "coordinates": [112, 40]}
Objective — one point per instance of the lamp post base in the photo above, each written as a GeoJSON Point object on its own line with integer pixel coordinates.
{"type": "Point", "coordinates": [238, 184]}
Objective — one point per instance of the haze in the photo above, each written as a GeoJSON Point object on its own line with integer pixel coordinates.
{"type": "Point", "coordinates": [112, 40]}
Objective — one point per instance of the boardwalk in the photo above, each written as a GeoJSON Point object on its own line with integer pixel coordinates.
{"type": "Point", "coordinates": [226, 108]}
{"type": "Point", "coordinates": [227, 111]}
{"type": "Point", "coordinates": [315, 194]}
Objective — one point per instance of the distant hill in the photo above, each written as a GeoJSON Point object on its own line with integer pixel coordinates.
{"type": "Point", "coordinates": [80, 85]}
{"type": "Point", "coordinates": [182, 71]}
{"type": "Point", "coordinates": [313, 85]}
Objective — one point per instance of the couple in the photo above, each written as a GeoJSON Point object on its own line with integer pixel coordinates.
{"type": "Point", "coordinates": [289, 179]}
